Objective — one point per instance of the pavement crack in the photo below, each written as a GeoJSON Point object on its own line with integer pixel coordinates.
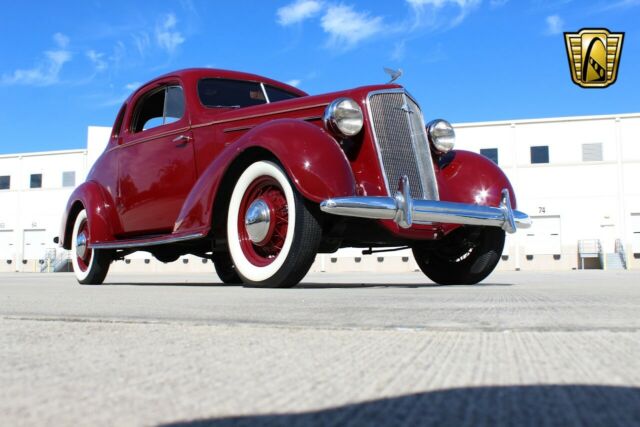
{"type": "Point", "coordinates": [237, 323]}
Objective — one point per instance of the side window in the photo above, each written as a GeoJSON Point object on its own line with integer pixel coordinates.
{"type": "Point", "coordinates": [540, 154]}
{"type": "Point", "coordinates": [35, 180]}
{"type": "Point", "coordinates": [160, 107]}
{"type": "Point", "coordinates": [69, 179]}
{"type": "Point", "coordinates": [276, 94]}
{"type": "Point", "coordinates": [490, 153]}
{"type": "Point", "coordinates": [592, 152]}
{"type": "Point", "coordinates": [217, 93]}
{"type": "Point", "coordinates": [5, 182]}
{"type": "Point", "coordinates": [173, 104]}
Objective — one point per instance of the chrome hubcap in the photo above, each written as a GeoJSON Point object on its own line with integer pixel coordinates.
{"type": "Point", "coordinates": [81, 245]}
{"type": "Point", "coordinates": [257, 221]}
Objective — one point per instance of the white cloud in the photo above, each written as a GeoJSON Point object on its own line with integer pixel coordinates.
{"type": "Point", "coordinates": [555, 24]}
{"type": "Point", "coordinates": [346, 27]}
{"type": "Point", "coordinates": [119, 53]}
{"type": "Point", "coordinates": [141, 41]}
{"type": "Point", "coordinates": [61, 40]}
{"type": "Point", "coordinates": [46, 72]}
{"type": "Point", "coordinates": [298, 11]}
{"type": "Point", "coordinates": [432, 12]}
{"type": "Point", "coordinates": [99, 63]}
{"type": "Point", "coordinates": [166, 35]}
{"type": "Point", "coordinates": [294, 82]}
{"type": "Point", "coordinates": [132, 86]}
{"type": "Point", "coordinates": [399, 50]}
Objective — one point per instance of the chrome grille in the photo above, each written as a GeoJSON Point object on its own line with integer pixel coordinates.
{"type": "Point", "coordinates": [402, 143]}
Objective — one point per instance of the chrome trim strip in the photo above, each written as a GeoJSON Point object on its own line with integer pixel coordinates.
{"type": "Point", "coordinates": [264, 92]}
{"type": "Point", "coordinates": [131, 142]}
{"type": "Point", "coordinates": [248, 127]}
{"type": "Point", "coordinates": [425, 164]}
{"type": "Point", "coordinates": [253, 116]}
{"type": "Point", "coordinates": [311, 118]}
{"type": "Point", "coordinates": [406, 211]}
{"type": "Point", "coordinates": [416, 151]}
{"type": "Point", "coordinates": [375, 136]}
{"type": "Point", "coordinates": [238, 128]}
{"type": "Point", "coordinates": [146, 243]}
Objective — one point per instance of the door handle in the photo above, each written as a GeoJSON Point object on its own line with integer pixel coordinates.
{"type": "Point", "coordinates": [181, 140]}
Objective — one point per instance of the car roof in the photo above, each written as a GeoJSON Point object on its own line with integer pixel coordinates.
{"type": "Point", "coordinates": [199, 73]}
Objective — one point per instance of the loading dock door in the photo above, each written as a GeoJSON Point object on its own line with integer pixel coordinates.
{"type": "Point", "coordinates": [34, 244]}
{"type": "Point", "coordinates": [543, 238]}
{"type": "Point", "coordinates": [635, 230]}
{"type": "Point", "coordinates": [7, 246]}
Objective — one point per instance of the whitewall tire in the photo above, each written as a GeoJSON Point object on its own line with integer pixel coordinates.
{"type": "Point", "coordinates": [89, 265]}
{"type": "Point", "coordinates": [272, 236]}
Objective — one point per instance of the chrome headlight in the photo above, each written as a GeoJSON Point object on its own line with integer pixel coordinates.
{"type": "Point", "coordinates": [344, 116]}
{"type": "Point", "coordinates": [441, 135]}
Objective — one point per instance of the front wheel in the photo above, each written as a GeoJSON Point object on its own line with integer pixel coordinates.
{"type": "Point", "coordinates": [273, 238]}
{"type": "Point", "coordinates": [465, 257]}
{"type": "Point", "coordinates": [89, 265]}
{"type": "Point", "coordinates": [225, 268]}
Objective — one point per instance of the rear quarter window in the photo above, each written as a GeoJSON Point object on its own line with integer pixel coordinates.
{"type": "Point", "coordinates": [276, 94]}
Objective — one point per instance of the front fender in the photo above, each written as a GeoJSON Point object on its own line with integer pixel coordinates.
{"type": "Point", "coordinates": [467, 177]}
{"type": "Point", "coordinates": [101, 215]}
{"type": "Point", "coordinates": [312, 159]}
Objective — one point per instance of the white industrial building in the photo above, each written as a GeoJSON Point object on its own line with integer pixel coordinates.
{"type": "Point", "coordinates": [576, 176]}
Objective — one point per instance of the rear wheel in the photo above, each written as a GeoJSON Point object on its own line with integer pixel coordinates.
{"type": "Point", "coordinates": [273, 238]}
{"type": "Point", "coordinates": [466, 256]}
{"type": "Point", "coordinates": [89, 265]}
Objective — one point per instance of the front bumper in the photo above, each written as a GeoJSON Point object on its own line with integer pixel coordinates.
{"type": "Point", "coordinates": [406, 211]}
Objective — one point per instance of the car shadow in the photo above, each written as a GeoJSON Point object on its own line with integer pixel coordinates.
{"type": "Point", "coordinates": [386, 285]}
{"type": "Point", "coordinates": [309, 285]}
{"type": "Point", "coordinates": [177, 284]}
{"type": "Point", "coordinates": [530, 405]}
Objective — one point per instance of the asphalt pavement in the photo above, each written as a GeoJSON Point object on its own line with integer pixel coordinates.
{"type": "Point", "coordinates": [522, 348]}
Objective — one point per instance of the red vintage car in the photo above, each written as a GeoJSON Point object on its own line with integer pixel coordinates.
{"type": "Point", "coordinates": [259, 177]}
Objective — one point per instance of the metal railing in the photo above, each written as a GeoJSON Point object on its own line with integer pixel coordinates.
{"type": "Point", "coordinates": [55, 261]}
{"type": "Point", "coordinates": [590, 248]}
{"type": "Point", "coordinates": [619, 249]}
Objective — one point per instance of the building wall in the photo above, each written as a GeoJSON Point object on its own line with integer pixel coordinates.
{"type": "Point", "coordinates": [30, 217]}
{"type": "Point", "coordinates": [578, 199]}
{"type": "Point", "coordinates": [570, 199]}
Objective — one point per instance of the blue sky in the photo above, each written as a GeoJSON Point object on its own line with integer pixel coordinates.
{"type": "Point", "coordinates": [67, 65]}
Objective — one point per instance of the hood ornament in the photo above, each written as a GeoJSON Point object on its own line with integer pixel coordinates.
{"type": "Point", "coordinates": [394, 74]}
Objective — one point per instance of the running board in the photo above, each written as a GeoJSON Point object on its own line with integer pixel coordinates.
{"type": "Point", "coordinates": [146, 242]}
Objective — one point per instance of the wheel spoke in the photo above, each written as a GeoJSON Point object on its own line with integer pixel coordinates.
{"type": "Point", "coordinates": [269, 191]}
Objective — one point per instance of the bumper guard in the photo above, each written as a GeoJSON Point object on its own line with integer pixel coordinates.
{"type": "Point", "coordinates": [406, 211]}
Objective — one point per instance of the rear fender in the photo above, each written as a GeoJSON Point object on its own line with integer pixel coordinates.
{"type": "Point", "coordinates": [100, 214]}
{"type": "Point", "coordinates": [312, 159]}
